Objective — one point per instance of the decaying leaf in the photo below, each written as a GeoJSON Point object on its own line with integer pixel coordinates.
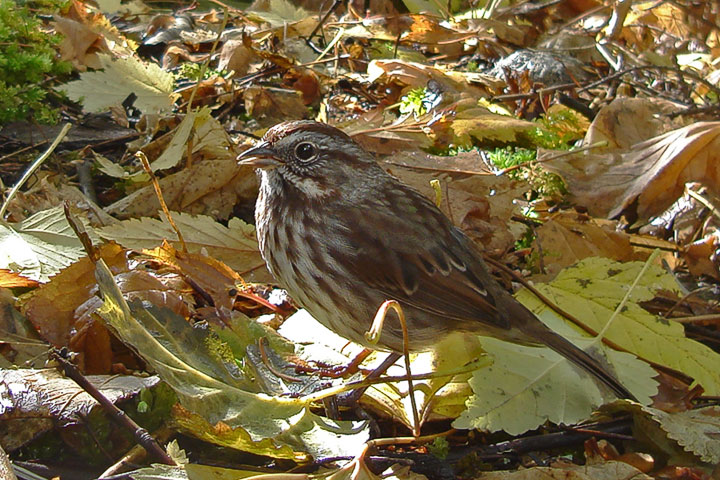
{"type": "Point", "coordinates": [208, 187]}
{"type": "Point", "coordinates": [565, 239]}
{"type": "Point", "coordinates": [644, 181]}
{"type": "Point", "coordinates": [35, 401]}
{"type": "Point", "coordinates": [612, 470]}
{"type": "Point", "coordinates": [591, 292]}
{"type": "Point", "coordinates": [697, 431]}
{"type": "Point", "coordinates": [10, 279]}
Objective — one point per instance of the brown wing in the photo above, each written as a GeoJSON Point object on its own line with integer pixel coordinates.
{"type": "Point", "coordinates": [425, 262]}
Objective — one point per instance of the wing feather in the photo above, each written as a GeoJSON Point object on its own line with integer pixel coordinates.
{"type": "Point", "coordinates": [438, 271]}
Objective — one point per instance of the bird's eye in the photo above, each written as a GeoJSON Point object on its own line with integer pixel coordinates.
{"type": "Point", "coordinates": [306, 151]}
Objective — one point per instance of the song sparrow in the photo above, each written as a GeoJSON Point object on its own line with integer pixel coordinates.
{"type": "Point", "coordinates": [342, 236]}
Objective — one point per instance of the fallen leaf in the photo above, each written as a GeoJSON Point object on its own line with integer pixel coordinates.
{"type": "Point", "coordinates": [209, 187]}
{"type": "Point", "coordinates": [643, 182]}
{"type": "Point", "coordinates": [10, 279]}
{"type": "Point", "coordinates": [605, 471]}
{"type": "Point", "coordinates": [279, 427]}
{"type": "Point", "coordinates": [99, 90]}
{"type": "Point", "coordinates": [41, 245]}
{"type": "Point", "coordinates": [236, 244]}
{"type": "Point", "coordinates": [564, 239]}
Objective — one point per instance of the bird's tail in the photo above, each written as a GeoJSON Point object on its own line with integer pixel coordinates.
{"type": "Point", "coordinates": [534, 328]}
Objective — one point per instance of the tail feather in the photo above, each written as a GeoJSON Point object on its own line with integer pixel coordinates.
{"type": "Point", "coordinates": [534, 328]}
{"type": "Point", "coordinates": [583, 360]}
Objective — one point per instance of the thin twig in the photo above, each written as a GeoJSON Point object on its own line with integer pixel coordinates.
{"type": "Point", "coordinates": [142, 436]}
{"type": "Point", "coordinates": [683, 299]}
{"type": "Point", "coordinates": [156, 185]}
{"type": "Point", "coordinates": [36, 164]}
{"type": "Point", "coordinates": [711, 317]}
{"type": "Point", "coordinates": [320, 23]}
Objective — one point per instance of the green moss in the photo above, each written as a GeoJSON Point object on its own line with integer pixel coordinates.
{"type": "Point", "coordinates": [27, 57]}
{"type": "Point", "coordinates": [556, 131]}
{"type": "Point", "coordinates": [543, 183]}
{"type": "Point", "coordinates": [415, 102]}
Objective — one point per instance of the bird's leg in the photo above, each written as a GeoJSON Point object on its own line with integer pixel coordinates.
{"type": "Point", "coordinates": [340, 370]}
{"type": "Point", "coordinates": [353, 396]}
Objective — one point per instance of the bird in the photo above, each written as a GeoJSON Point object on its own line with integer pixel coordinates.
{"type": "Point", "coordinates": [342, 236]}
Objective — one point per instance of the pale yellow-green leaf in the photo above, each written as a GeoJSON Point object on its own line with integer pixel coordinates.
{"type": "Point", "coordinates": [175, 452]}
{"type": "Point", "coordinates": [109, 167]}
{"type": "Point", "coordinates": [428, 6]}
{"type": "Point", "coordinates": [442, 394]}
{"type": "Point", "coordinates": [271, 426]}
{"type": "Point", "coordinates": [177, 146]}
{"type": "Point", "coordinates": [235, 245]}
{"type": "Point", "coordinates": [109, 6]}
{"type": "Point", "coordinates": [548, 385]}
{"type": "Point", "coordinates": [697, 431]}
{"type": "Point", "coordinates": [41, 245]}
{"type": "Point", "coordinates": [119, 78]}
{"type": "Point", "coordinates": [281, 12]}
{"type": "Point", "coordinates": [483, 125]}
{"type": "Point", "coordinates": [591, 292]}
{"type": "Point", "coordinates": [525, 387]}
{"type": "Point", "coordinates": [210, 138]}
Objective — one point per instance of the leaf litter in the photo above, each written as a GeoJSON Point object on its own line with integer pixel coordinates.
{"type": "Point", "coordinates": [643, 179]}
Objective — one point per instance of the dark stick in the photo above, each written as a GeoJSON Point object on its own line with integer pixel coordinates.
{"type": "Point", "coordinates": [334, 6]}
{"type": "Point", "coordinates": [142, 436]}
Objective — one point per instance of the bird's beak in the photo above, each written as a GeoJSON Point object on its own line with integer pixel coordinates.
{"type": "Point", "coordinates": [260, 156]}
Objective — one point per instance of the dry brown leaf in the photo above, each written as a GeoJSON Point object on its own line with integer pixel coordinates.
{"type": "Point", "coordinates": [426, 29]}
{"type": "Point", "coordinates": [36, 401]}
{"type": "Point", "coordinates": [92, 339]}
{"type": "Point", "coordinates": [50, 192]}
{"type": "Point", "coordinates": [628, 121]}
{"type": "Point", "coordinates": [565, 239]}
{"type": "Point", "coordinates": [63, 310]}
{"type": "Point", "coordinates": [212, 276]}
{"type": "Point", "coordinates": [611, 470]}
{"type": "Point", "coordinates": [175, 53]}
{"type": "Point", "coordinates": [51, 308]}
{"type": "Point", "coordinates": [85, 34]}
{"type": "Point", "coordinates": [521, 35]}
{"type": "Point", "coordinates": [80, 44]}
{"type": "Point", "coordinates": [210, 91]}
{"type": "Point", "coordinates": [235, 57]}
{"type": "Point", "coordinates": [271, 107]}
{"type": "Point", "coordinates": [647, 180]}
{"type": "Point", "coordinates": [418, 75]}
{"type": "Point", "coordinates": [388, 141]}
{"type": "Point", "coordinates": [668, 17]}
{"type": "Point", "coordinates": [208, 187]}
{"type": "Point", "coordinates": [698, 257]}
